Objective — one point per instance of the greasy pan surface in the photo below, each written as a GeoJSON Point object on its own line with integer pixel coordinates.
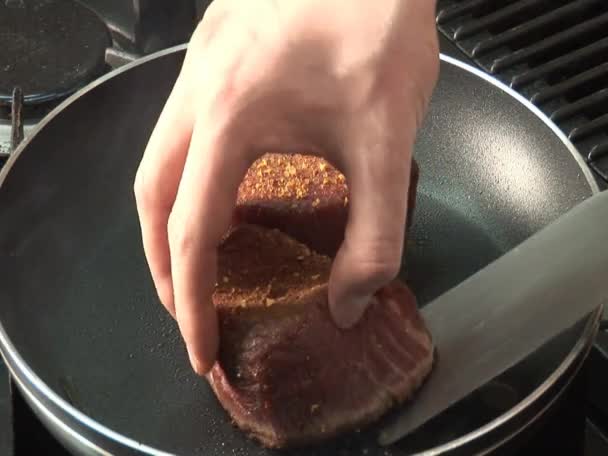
{"type": "Point", "coordinates": [78, 307]}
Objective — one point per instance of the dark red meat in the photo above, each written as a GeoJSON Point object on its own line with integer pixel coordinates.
{"type": "Point", "coordinates": [286, 374]}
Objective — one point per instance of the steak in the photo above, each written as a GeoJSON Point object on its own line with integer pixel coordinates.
{"type": "Point", "coordinates": [303, 196]}
{"type": "Point", "coordinates": [286, 374]}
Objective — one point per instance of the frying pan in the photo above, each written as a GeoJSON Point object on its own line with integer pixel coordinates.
{"type": "Point", "coordinates": [101, 362]}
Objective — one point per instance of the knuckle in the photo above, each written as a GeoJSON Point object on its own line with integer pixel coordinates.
{"type": "Point", "coordinates": [149, 195]}
{"type": "Point", "coordinates": [379, 263]}
{"type": "Point", "coordinates": [182, 240]}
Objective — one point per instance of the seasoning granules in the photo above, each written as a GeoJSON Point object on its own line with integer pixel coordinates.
{"type": "Point", "coordinates": [260, 267]}
{"type": "Point", "coordinates": [293, 177]}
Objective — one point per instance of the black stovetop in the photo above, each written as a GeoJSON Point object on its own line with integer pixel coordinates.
{"type": "Point", "coordinates": [580, 425]}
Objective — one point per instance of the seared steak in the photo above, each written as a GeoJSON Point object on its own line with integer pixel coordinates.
{"type": "Point", "coordinates": [303, 196]}
{"type": "Point", "coordinates": [285, 373]}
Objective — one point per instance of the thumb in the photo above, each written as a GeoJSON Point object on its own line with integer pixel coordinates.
{"type": "Point", "coordinates": [370, 255]}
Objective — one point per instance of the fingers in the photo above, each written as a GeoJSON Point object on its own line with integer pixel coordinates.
{"type": "Point", "coordinates": [370, 255]}
{"type": "Point", "coordinates": [156, 185]}
{"type": "Point", "coordinates": [201, 216]}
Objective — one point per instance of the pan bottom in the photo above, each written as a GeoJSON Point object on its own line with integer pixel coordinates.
{"type": "Point", "coordinates": [445, 246]}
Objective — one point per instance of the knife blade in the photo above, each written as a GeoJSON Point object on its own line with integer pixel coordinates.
{"type": "Point", "coordinates": [506, 311]}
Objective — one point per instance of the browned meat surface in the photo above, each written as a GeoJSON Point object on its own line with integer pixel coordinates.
{"type": "Point", "coordinates": [285, 373]}
{"type": "Point", "coordinates": [303, 196]}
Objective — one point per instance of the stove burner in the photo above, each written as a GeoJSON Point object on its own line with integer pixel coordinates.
{"type": "Point", "coordinates": [50, 48]}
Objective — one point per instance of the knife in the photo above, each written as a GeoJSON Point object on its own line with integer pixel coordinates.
{"type": "Point", "coordinates": [506, 311]}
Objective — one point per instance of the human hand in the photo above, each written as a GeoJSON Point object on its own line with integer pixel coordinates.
{"type": "Point", "coordinates": [349, 80]}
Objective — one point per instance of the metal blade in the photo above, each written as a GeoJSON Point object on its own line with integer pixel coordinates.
{"type": "Point", "coordinates": [509, 309]}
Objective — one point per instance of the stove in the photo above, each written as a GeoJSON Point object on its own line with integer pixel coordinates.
{"type": "Point", "coordinates": [55, 47]}
{"type": "Point", "coordinates": [554, 52]}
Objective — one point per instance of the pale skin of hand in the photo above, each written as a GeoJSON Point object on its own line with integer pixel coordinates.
{"type": "Point", "coordinates": [348, 80]}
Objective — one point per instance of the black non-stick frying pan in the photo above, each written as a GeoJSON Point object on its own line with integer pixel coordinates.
{"type": "Point", "coordinates": [103, 364]}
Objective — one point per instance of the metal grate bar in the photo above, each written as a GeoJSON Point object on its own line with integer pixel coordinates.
{"type": "Point", "coordinates": [460, 9]}
{"type": "Point", "coordinates": [592, 75]}
{"type": "Point", "coordinates": [558, 40]}
{"type": "Point", "coordinates": [509, 12]}
{"type": "Point", "coordinates": [538, 24]}
{"type": "Point", "coordinates": [598, 151]}
{"type": "Point", "coordinates": [598, 160]}
{"type": "Point", "coordinates": [597, 125]}
{"type": "Point", "coordinates": [585, 104]}
{"type": "Point", "coordinates": [570, 60]}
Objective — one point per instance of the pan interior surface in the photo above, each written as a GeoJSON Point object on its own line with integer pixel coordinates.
{"type": "Point", "coordinates": [78, 304]}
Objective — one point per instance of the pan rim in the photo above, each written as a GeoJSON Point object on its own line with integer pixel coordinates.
{"type": "Point", "coordinates": [26, 378]}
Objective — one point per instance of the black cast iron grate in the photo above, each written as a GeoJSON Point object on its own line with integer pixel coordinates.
{"type": "Point", "coordinates": [553, 52]}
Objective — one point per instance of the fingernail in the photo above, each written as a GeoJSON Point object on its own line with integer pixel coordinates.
{"type": "Point", "coordinates": [350, 310]}
{"type": "Point", "coordinates": [196, 364]}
